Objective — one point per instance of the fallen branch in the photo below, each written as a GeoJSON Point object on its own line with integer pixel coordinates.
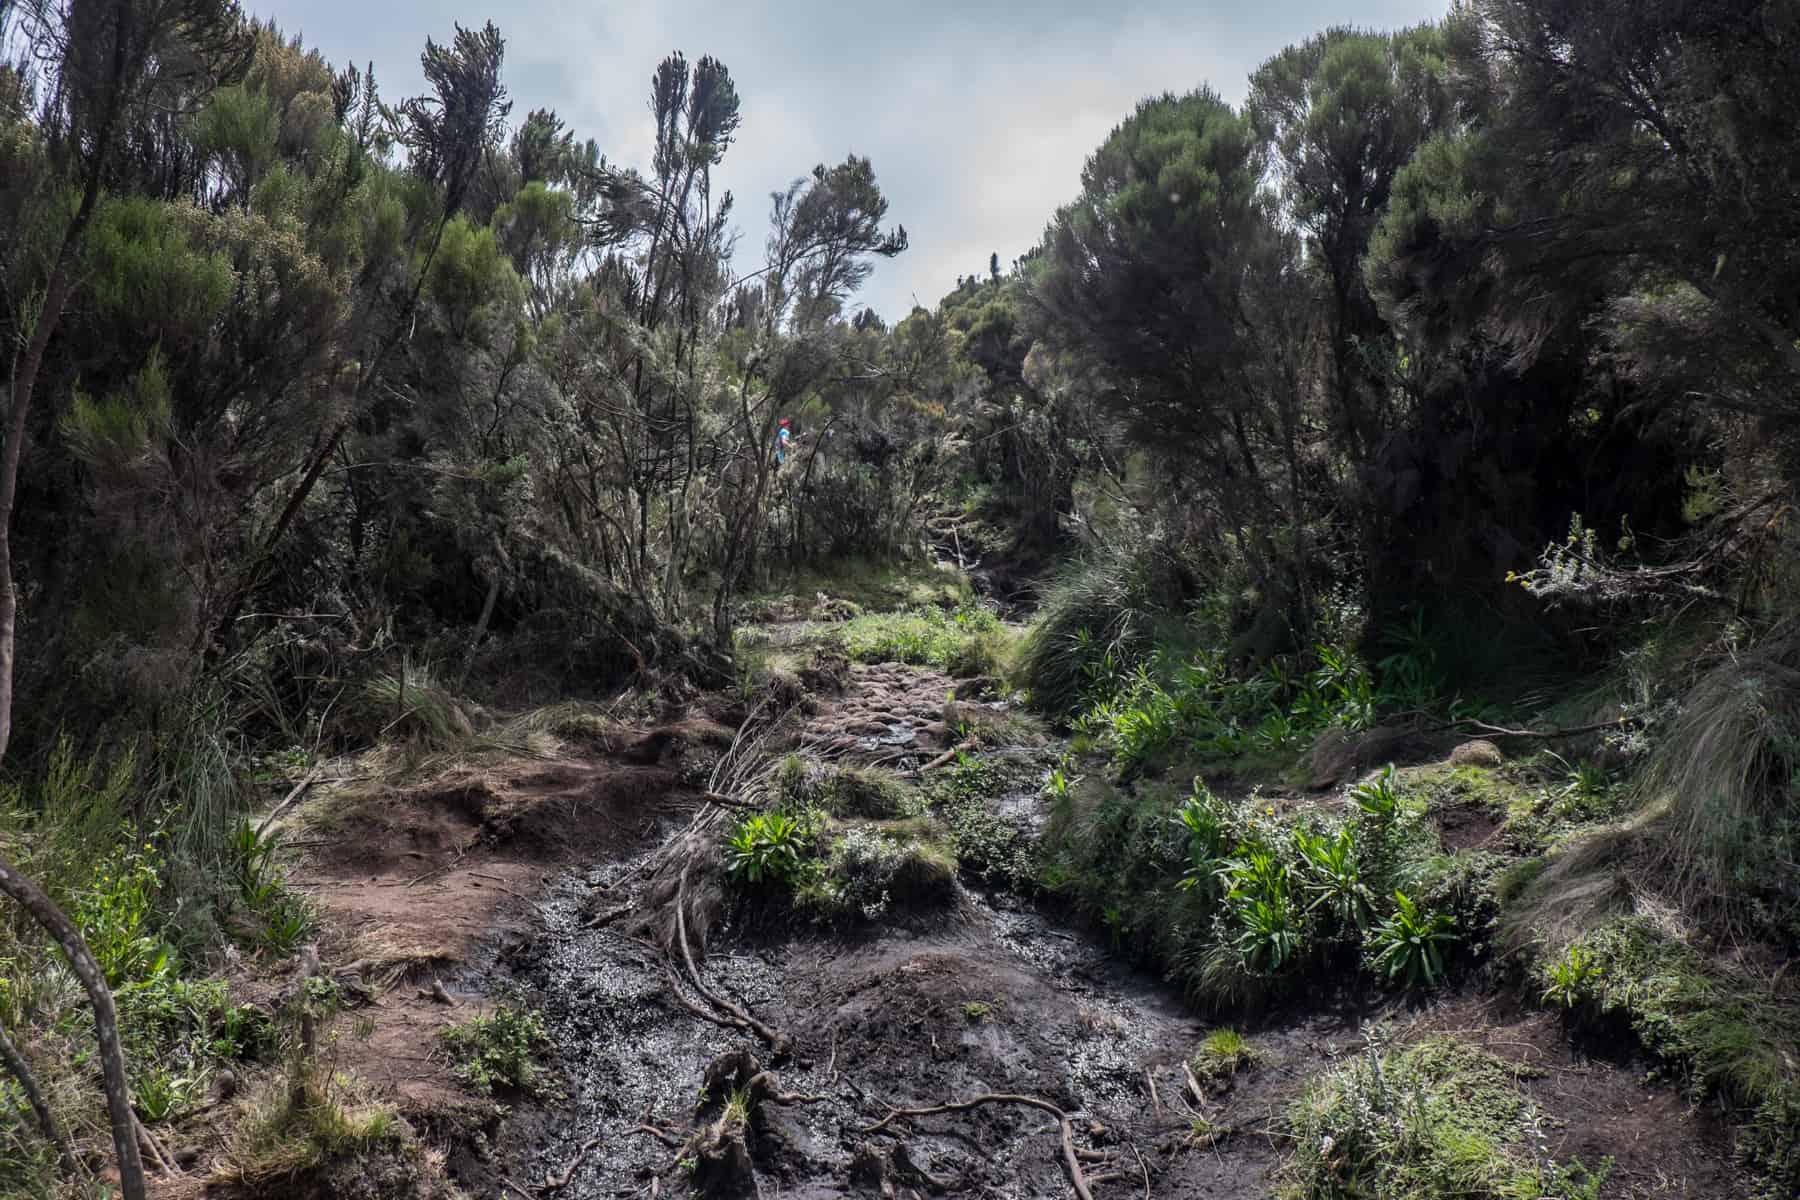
{"type": "Point", "coordinates": [556, 1183]}
{"type": "Point", "coordinates": [148, 1144]}
{"type": "Point", "coordinates": [1155, 1099]}
{"type": "Point", "coordinates": [943, 758]}
{"type": "Point", "coordinates": [1533, 734]}
{"type": "Point", "coordinates": [57, 924]}
{"type": "Point", "coordinates": [1071, 1163]}
{"type": "Point", "coordinates": [461, 850]}
{"type": "Point", "coordinates": [288, 801]}
{"type": "Point", "coordinates": [1194, 1086]}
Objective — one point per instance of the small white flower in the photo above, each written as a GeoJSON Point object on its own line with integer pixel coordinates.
{"type": "Point", "coordinates": [1326, 1144]}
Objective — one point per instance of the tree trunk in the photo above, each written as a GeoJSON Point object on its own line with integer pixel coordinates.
{"type": "Point", "coordinates": [106, 1021]}
{"type": "Point", "coordinates": [55, 297]}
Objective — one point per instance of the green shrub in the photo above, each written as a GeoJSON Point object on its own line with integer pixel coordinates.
{"type": "Point", "coordinates": [1433, 1120]}
{"type": "Point", "coordinates": [1332, 876]}
{"type": "Point", "coordinates": [1098, 618]}
{"type": "Point", "coordinates": [1570, 982]}
{"type": "Point", "coordinates": [1409, 946]}
{"type": "Point", "coordinates": [1379, 797]}
{"type": "Point", "coordinates": [500, 1052]}
{"type": "Point", "coordinates": [766, 847]}
{"type": "Point", "coordinates": [985, 841]}
{"type": "Point", "coordinates": [867, 870]}
{"type": "Point", "coordinates": [1186, 701]}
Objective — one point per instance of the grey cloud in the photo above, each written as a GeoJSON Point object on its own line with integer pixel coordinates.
{"type": "Point", "coordinates": [978, 116]}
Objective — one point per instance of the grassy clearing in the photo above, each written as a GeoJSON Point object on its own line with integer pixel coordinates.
{"type": "Point", "coordinates": [869, 586]}
{"type": "Point", "coordinates": [1430, 1120]}
{"type": "Point", "coordinates": [963, 642]}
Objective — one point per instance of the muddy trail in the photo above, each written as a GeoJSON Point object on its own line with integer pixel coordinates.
{"type": "Point", "coordinates": [1049, 1067]}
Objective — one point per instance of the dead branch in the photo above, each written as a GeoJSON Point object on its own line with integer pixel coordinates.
{"type": "Point", "coordinates": [942, 759]}
{"type": "Point", "coordinates": [288, 801]}
{"type": "Point", "coordinates": [1535, 734]}
{"type": "Point", "coordinates": [1071, 1163]}
{"type": "Point", "coordinates": [21, 1072]}
{"type": "Point", "coordinates": [309, 966]}
{"type": "Point", "coordinates": [148, 1144]}
{"type": "Point", "coordinates": [1155, 1099]}
{"type": "Point", "coordinates": [559, 1181]}
{"type": "Point", "coordinates": [1194, 1086]}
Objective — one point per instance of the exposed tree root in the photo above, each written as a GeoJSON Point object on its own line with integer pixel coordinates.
{"type": "Point", "coordinates": [668, 1139]}
{"type": "Point", "coordinates": [559, 1181]}
{"type": "Point", "coordinates": [778, 1041]}
{"type": "Point", "coordinates": [1071, 1160]}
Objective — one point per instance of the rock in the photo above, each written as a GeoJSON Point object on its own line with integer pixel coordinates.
{"type": "Point", "coordinates": [1478, 753]}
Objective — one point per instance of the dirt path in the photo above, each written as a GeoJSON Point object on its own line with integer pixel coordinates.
{"type": "Point", "coordinates": [990, 997]}
{"type": "Point", "coordinates": [445, 885]}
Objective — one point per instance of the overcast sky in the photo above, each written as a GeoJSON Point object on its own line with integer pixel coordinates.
{"type": "Point", "coordinates": [977, 114]}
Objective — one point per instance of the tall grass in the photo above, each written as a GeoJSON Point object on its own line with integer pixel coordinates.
{"type": "Point", "coordinates": [1107, 607]}
{"type": "Point", "coordinates": [1728, 770]}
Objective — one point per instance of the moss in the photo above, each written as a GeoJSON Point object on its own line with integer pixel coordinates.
{"type": "Point", "coordinates": [1495, 790]}
{"type": "Point", "coordinates": [1732, 1036]}
{"type": "Point", "coordinates": [865, 792]}
{"type": "Point", "coordinates": [871, 866]}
